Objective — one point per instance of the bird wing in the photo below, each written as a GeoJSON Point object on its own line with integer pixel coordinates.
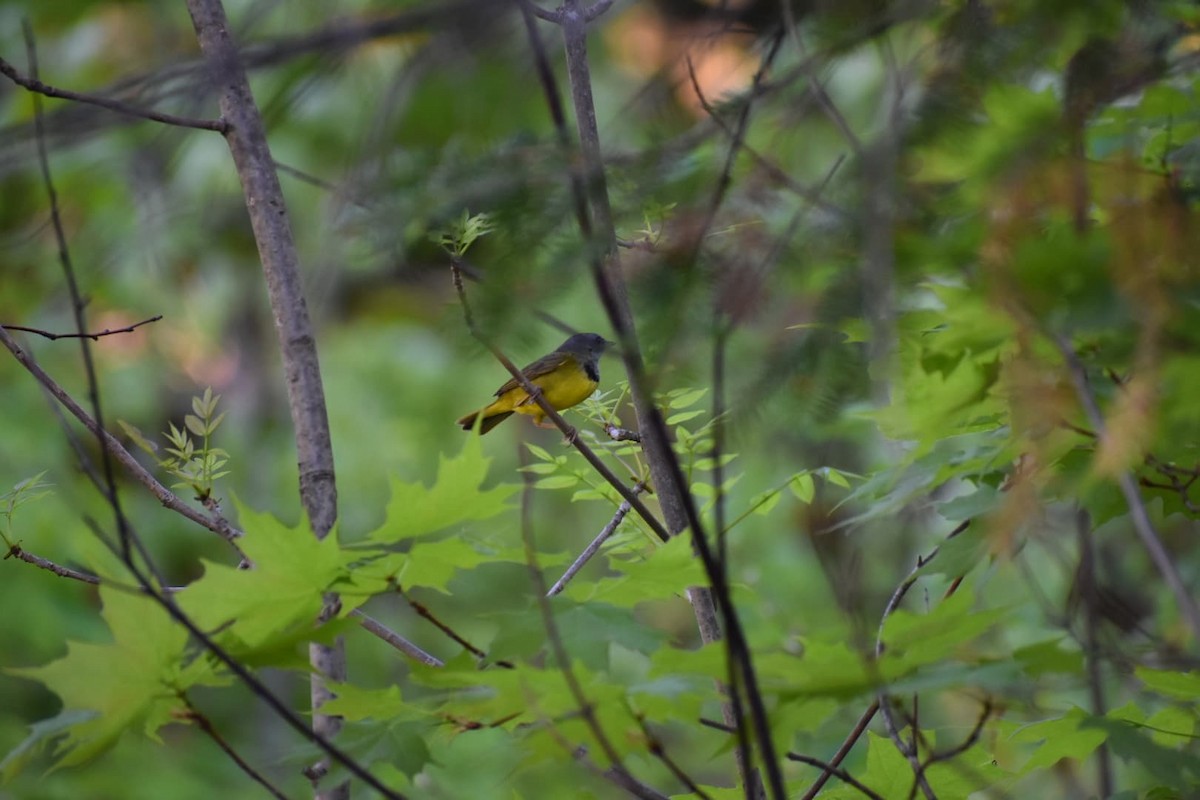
{"type": "Point", "coordinates": [546, 364]}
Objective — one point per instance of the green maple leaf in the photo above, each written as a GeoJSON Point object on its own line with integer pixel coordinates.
{"type": "Point", "coordinates": [132, 683]}
{"type": "Point", "coordinates": [455, 497]}
{"type": "Point", "coordinates": [292, 571]}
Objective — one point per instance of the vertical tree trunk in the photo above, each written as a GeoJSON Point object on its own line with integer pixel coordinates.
{"type": "Point", "coordinates": [247, 141]}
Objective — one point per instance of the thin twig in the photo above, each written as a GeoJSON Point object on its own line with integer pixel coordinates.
{"type": "Point", "coordinates": [823, 99]}
{"type": "Point", "coordinates": [425, 613]}
{"type": "Point", "coordinates": [1088, 593]}
{"type": "Point", "coordinates": [612, 775]}
{"type": "Point", "coordinates": [811, 195]}
{"type": "Point", "coordinates": [205, 724]}
{"type": "Point", "coordinates": [110, 444]}
{"type": "Point", "coordinates": [865, 720]}
{"type": "Point", "coordinates": [594, 217]}
{"type": "Point", "coordinates": [966, 744]}
{"type": "Point", "coordinates": [95, 337]}
{"type": "Point", "coordinates": [374, 626]}
{"type": "Point", "coordinates": [17, 552]}
{"type": "Point", "coordinates": [368, 624]}
{"type": "Point", "coordinates": [35, 86]}
{"type": "Point", "coordinates": [659, 751]}
{"type": "Point", "coordinates": [78, 304]}
{"type": "Point", "coordinates": [725, 180]}
{"type": "Point", "coordinates": [586, 709]}
{"type": "Point", "coordinates": [595, 545]}
{"type": "Point", "coordinates": [837, 772]}
{"type": "Point", "coordinates": [1133, 499]}
{"type": "Point", "coordinates": [552, 414]}
{"type": "Point", "coordinates": [883, 699]}
{"type": "Point", "coordinates": [829, 768]}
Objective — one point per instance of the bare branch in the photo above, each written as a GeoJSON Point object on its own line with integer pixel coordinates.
{"type": "Point", "coordinates": [17, 552]}
{"type": "Point", "coordinates": [830, 768]}
{"type": "Point", "coordinates": [95, 337]}
{"type": "Point", "coordinates": [551, 413]}
{"type": "Point", "coordinates": [595, 545]}
{"type": "Point", "coordinates": [1088, 593]}
{"type": "Point", "coordinates": [164, 495]}
{"type": "Point", "coordinates": [594, 217]}
{"type": "Point", "coordinates": [1133, 499]}
{"type": "Point", "coordinates": [659, 751]}
{"type": "Point", "coordinates": [596, 9]}
{"type": "Point", "coordinates": [883, 699]}
{"type": "Point", "coordinates": [34, 85]}
{"type": "Point", "coordinates": [586, 708]}
{"type": "Point", "coordinates": [374, 626]}
{"type": "Point", "coordinates": [424, 612]}
{"type": "Point", "coordinates": [128, 542]}
{"type": "Point", "coordinates": [205, 724]}
{"type": "Point", "coordinates": [247, 140]}
{"type": "Point", "coordinates": [837, 772]}
{"type": "Point", "coordinates": [541, 13]}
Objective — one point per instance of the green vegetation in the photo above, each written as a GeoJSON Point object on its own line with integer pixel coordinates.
{"type": "Point", "coordinates": [915, 292]}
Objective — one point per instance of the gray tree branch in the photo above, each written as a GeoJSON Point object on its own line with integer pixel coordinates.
{"type": "Point", "coordinates": [247, 140]}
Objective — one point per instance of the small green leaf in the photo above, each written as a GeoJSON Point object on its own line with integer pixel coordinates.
{"type": "Point", "coordinates": [1061, 738]}
{"type": "Point", "coordinates": [686, 398]}
{"type": "Point", "coordinates": [763, 504]}
{"type": "Point", "coordinates": [709, 463]}
{"type": "Point", "coordinates": [835, 477]}
{"type": "Point", "coordinates": [539, 452]}
{"type": "Point", "coordinates": [195, 425]}
{"type": "Point", "coordinates": [802, 486]}
{"type": "Point", "coordinates": [1184, 685]}
{"type": "Point", "coordinates": [214, 423]}
{"type": "Point", "coordinates": [557, 482]}
{"type": "Point", "coordinates": [683, 416]}
{"type": "Point", "coordinates": [540, 469]}
{"type": "Point", "coordinates": [137, 438]}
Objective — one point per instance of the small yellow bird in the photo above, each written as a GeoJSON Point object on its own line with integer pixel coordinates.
{"type": "Point", "coordinates": [567, 377]}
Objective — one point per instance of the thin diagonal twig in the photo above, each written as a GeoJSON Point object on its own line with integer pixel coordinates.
{"type": "Point", "coordinates": [586, 709]}
{"type": "Point", "coordinates": [1133, 498]}
{"type": "Point", "coordinates": [205, 724]}
{"type": "Point", "coordinates": [595, 545]}
{"type": "Point", "coordinates": [552, 414]}
{"type": "Point", "coordinates": [377, 628]}
{"type": "Point", "coordinates": [595, 219]}
{"type": "Point", "coordinates": [31, 83]}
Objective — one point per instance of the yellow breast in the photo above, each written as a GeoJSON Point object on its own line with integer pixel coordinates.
{"type": "Point", "coordinates": [562, 388]}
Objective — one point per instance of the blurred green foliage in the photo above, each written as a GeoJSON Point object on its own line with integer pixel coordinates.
{"type": "Point", "coordinates": [891, 370]}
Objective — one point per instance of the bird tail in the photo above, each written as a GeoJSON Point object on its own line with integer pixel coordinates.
{"type": "Point", "coordinates": [489, 421]}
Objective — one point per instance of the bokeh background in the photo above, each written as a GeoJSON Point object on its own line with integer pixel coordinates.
{"type": "Point", "coordinates": [905, 169]}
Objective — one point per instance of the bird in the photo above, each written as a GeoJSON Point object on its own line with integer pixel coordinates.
{"type": "Point", "coordinates": [567, 377]}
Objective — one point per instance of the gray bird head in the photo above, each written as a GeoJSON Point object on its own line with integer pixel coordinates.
{"type": "Point", "coordinates": [587, 346]}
